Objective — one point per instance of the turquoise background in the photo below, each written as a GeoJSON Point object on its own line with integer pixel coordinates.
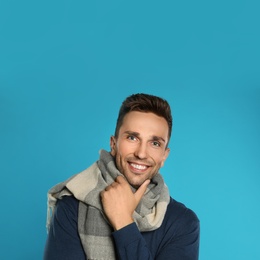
{"type": "Point", "coordinates": [66, 66]}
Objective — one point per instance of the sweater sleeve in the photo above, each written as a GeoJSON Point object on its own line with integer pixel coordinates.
{"type": "Point", "coordinates": [177, 241]}
{"type": "Point", "coordinates": [130, 244]}
{"type": "Point", "coordinates": [63, 241]}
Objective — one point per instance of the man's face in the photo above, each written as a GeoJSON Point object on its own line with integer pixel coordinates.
{"type": "Point", "coordinates": [140, 148]}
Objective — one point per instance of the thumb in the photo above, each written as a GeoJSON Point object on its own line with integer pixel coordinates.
{"type": "Point", "coordinates": [141, 190]}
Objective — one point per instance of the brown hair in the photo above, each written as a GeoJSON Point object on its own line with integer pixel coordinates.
{"type": "Point", "coordinates": [145, 103]}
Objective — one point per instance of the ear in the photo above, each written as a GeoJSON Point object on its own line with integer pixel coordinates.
{"type": "Point", "coordinates": [113, 145]}
{"type": "Point", "coordinates": [166, 153]}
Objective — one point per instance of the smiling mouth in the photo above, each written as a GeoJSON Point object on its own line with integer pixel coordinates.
{"type": "Point", "coordinates": [139, 167]}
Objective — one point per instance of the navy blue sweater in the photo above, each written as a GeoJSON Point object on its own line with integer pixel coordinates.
{"type": "Point", "coordinates": [176, 239]}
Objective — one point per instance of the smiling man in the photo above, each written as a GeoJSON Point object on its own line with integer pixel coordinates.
{"type": "Point", "coordinates": [120, 207]}
{"type": "Point", "coordinates": [140, 146]}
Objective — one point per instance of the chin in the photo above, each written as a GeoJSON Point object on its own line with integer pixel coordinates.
{"type": "Point", "coordinates": [136, 184]}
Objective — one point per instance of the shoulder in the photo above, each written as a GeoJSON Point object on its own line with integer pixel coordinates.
{"type": "Point", "coordinates": [68, 201]}
{"type": "Point", "coordinates": [63, 240]}
{"type": "Point", "coordinates": [176, 208]}
{"type": "Point", "coordinates": [67, 206]}
{"type": "Point", "coordinates": [178, 236]}
{"type": "Point", "coordinates": [180, 216]}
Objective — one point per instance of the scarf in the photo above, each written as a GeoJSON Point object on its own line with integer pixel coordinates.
{"type": "Point", "coordinates": [93, 226]}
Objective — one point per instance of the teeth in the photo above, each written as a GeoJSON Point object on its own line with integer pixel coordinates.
{"type": "Point", "coordinates": [139, 167]}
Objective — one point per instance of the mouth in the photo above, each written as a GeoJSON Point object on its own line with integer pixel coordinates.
{"type": "Point", "coordinates": [138, 167]}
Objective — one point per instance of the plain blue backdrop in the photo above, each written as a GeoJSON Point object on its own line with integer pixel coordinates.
{"type": "Point", "coordinates": [66, 66]}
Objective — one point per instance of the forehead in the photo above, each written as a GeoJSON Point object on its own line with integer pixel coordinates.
{"type": "Point", "coordinates": [147, 123]}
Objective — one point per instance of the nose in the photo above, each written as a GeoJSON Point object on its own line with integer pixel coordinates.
{"type": "Point", "coordinates": [141, 151]}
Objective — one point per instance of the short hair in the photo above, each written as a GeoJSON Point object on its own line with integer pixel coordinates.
{"type": "Point", "coordinates": [145, 103]}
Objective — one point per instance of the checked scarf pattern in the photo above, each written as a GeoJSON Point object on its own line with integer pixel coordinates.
{"type": "Point", "coordinates": [93, 226]}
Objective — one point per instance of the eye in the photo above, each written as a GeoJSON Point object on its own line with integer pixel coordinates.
{"type": "Point", "coordinates": [131, 137]}
{"type": "Point", "coordinates": [156, 143]}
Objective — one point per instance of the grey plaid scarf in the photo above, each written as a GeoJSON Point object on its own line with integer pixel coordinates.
{"type": "Point", "coordinates": [93, 227]}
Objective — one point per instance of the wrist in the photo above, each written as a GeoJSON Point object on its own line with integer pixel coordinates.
{"type": "Point", "coordinates": [121, 223]}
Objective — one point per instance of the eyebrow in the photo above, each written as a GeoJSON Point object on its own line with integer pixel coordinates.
{"type": "Point", "coordinates": [154, 137]}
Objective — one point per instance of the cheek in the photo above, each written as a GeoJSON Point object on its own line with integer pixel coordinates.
{"type": "Point", "coordinates": [159, 159]}
{"type": "Point", "coordinates": [124, 148]}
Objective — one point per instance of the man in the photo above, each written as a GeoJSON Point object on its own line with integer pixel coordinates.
{"type": "Point", "coordinates": [120, 208]}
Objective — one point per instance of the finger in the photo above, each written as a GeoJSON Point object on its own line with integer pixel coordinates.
{"type": "Point", "coordinates": [121, 179]}
{"type": "Point", "coordinates": [107, 188]}
{"type": "Point", "coordinates": [113, 184]}
{"type": "Point", "coordinates": [140, 192]}
{"type": "Point", "coordinates": [102, 194]}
